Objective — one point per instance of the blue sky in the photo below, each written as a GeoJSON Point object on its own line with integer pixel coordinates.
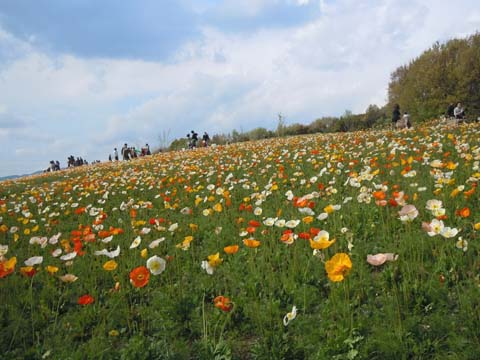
{"type": "Point", "coordinates": [82, 77]}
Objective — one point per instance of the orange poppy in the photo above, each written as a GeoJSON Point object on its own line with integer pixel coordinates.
{"type": "Point", "coordinates": [465, 212]}
{"type": "Point", "coordinates": [102, 234]}
{"type": "Point", "coordinates": [251, 243]}
{"type": "Point", "coordinates": [232, 249]}
{"type": "Point", "coordinates": [379, 195]}
{"type": "Point", "coordinates": [116, 231]}
{"type": "Point", "coordinates": [139, 276]}
{"type": "Point", "coordinates": [223, 303]}
{"type": "Point", "coordinates": [85, 300]}
{"type": "Point", "coordinates": [89, 238]}
{"type": "Point", "coordinates": [7, 267]}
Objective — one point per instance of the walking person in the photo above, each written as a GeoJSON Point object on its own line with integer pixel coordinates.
{"type": "Point", "coordinates": [115, 154]}
{"type": "Point", "coordinates": [194, 137]}
{"type": "Point", "coordinates": [206, 139]}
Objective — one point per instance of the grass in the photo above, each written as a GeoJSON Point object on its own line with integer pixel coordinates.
{"type": "Point", "coordinates": [424, 305]}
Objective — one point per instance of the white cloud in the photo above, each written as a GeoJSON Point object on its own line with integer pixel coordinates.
{"type": "Point", "coordinates": [341, 60]}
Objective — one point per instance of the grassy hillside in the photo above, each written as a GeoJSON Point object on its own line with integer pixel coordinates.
{"type": "Point", "coordinates": [358, 245]}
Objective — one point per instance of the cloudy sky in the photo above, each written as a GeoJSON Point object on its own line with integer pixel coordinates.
{"type": "Point", "coordinates": [81, 77]}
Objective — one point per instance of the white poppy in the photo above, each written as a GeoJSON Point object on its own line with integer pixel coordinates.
{"type": "Point", "coordinates": [290, 316]}
{"type": "Point", "coordinates": [34, 260]}
{"type": "Point", "coordinates": [136, 242]}
{"type": "Point", "coordinates": [155, 243]}
{"type": "Point", "coordinates": [156, 265]}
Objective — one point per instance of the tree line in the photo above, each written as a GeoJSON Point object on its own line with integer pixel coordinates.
{"type": "Point", "coordinates": [446, 73]}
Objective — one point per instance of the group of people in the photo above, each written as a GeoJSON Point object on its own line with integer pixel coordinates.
{"type": "Point", "coordinates": [453, 112]}
{"type": "Point", "coordinates": [129, 152]}
{"type": "Point", "coordinates": [54, 166]}
{"type": "Point", "coordinates": [192, 138]}
{"type": "Point", "coordinates": [456, 112]}
{"type": "Point", "coordinates": [72, 162]}
{"type": "Point", "coordinates": [399, 121]}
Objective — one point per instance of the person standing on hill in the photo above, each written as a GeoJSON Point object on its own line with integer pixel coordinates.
{"type": "Point", "coordinates": [125, 152]}
{"type": "Point", "coordinates": [395, 115]}
{"type": "Point", "coordinates": [115, 154]}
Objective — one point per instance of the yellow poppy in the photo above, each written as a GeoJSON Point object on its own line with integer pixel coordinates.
{"type": "Point", "coordinates": [338, 267]}
{"type": "Point", "coordinates": [110, 265]}
{"type": "Point", "coordinates": [52, 269]}
{"type": "Point", "coordinates": [214, 260]}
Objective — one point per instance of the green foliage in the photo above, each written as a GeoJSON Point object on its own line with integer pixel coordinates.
{"type": "Point", "coordinates": [444, 74]}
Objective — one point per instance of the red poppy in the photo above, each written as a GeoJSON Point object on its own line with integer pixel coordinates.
{"type": "Point", "coordinates": [28, 271]}
{"type": "Point", "coordinates": [86, 300]}
{"type": "Point", "coordinates": [254, 223]}
{"type": "Point", "coordinates": [304, 235]}
{"type": "Point", "coordinates": [139, 276]}
{"type": "Point", "coordinates": [223, 303]}
{"type": "Point", "coordinates": [251, 229]}
{"type": "Point", "coordinates": [80, 210]}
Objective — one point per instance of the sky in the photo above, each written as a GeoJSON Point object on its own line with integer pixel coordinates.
{"type": "Point", "coordinates": [81, 77]}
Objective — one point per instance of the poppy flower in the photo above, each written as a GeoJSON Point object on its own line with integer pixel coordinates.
{"type": "Point", "coordinates": [380, 259]}
{"type": "Point", "coordinates": [304, 235]}
{"type": "Point", "coordinates": [464, 213]}
{"type": "Point", "coordinates": [85, 300]}
{"type": "Point", "coordinates": [139, 277]}
{"type": "Point", "coordinates": [28, 271]}
{"type": "Point", "coordinates": [321, 241]}
{"type": "Point", "coordinates": [52, 269]}
{"type": "Point", "coordinates": [231, 249]}
{"type": "Point", "coordinates": [290, 316]}
{"type": "Point", "coordinates": [223, 303]}
{"type": "Point", "coordinates": [110, 265]}
{"type": "Point", "coordinates": [288, 237]}
{"type": "Point", "coordinates": [214, 260]}
{"type": "Point", "coordinates": [338, 267]}
{"type": "Point", "coordinates": [7, 267]}
{"type": "Point", "coordinates": [156, 265]}
{"type": "Point", "coordinates": [251, 243]}
{"type": "Point", "coordinates": [102, 234]}
{"type": "Point", "coordinates": [251, 229]}
{"type": "Point", "coordinates": [68, 278]}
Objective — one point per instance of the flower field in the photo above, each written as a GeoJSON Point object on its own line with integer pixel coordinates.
{"type": "Point", "coordinates": [331, 246]}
